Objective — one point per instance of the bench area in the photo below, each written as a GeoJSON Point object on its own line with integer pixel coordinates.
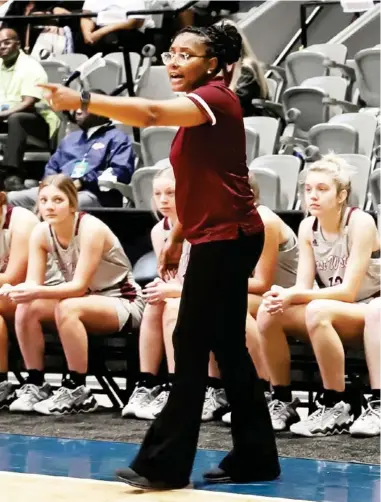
{"type": "Point", "coordinates": [117, 355]}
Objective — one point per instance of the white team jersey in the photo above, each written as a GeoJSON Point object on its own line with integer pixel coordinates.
{"type": "Point", "coordinates": [113, 276]}
{"type": "Point", "coordinates": [331, 260]}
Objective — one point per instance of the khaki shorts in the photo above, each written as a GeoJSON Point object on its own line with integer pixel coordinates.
{"type": "Point", "coordinates": [126, 309]}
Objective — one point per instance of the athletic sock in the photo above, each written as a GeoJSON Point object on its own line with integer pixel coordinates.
{"type": "Point", "coordinates": [282, 393]}
{"type": "Point", "coordinates": [36, 377]}
{"type": "Point", "coordinates": [75, 380]}
{"type": "Point", "coordinates": [148, 380]}
{"type": "Point", "coordinates": [332, 397]}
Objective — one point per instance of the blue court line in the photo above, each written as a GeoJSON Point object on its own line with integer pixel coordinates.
{"type": "Point", "coordinates": [301, 479]}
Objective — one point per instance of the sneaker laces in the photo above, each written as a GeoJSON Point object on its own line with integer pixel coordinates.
{"type": "Point", "coordinates": [210, 403]}
{"type": "Point", "coordinates": [28, 389]}
{"type": "Point", "coordinates": [372, 410]}
{"type": "Point", "coordinates": [317, 416]}
{"type": "Point", "coordinates": [60, 395]}
{"type": "Point", "coordinates": [161, 398]}
{"type": "Point", "coordinates": [138, 394]}
{"type": "Point", "coordinates": [277, 407]}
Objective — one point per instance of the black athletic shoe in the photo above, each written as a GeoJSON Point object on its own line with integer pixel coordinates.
{"type": "Point", "coordinates": [134, 479]}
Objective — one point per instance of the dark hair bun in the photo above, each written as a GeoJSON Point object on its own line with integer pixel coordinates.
{"type": "Point", "coordinates": [228, 37]}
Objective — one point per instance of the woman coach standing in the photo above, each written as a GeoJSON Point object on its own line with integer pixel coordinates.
{"type": "Point", "coordinates": [216, 214]}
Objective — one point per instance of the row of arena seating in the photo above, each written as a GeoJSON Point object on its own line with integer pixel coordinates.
{"type": "Point", "coordinates": [117, 355]}
{"type": "Point", "coordinates": [323, 103]}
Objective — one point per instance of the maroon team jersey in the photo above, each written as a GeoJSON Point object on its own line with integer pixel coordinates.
{"type": "Point", "coordinates": [213, 196]}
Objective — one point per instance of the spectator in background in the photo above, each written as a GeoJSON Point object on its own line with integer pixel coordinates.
{"type": "Point", "coordinates": [159, 320]}
{"type": "Point", "coordinates": [247, 78]}
{"type": "Point", "coordinates": [341, 246]}
{"type": "Point", "coordinates": [108, 38]}
{"type": "Point", "coordinates": [84, 156]}
{"type": "Point", "coordinates": [369, 423]}
{"type": "Point", "coordinates": [22, 112]}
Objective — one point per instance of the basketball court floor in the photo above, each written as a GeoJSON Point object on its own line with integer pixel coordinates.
{"type": "Point", "coordinates": [47, 469]}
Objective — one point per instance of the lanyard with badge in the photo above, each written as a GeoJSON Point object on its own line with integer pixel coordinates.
{"type": "Point", "coordinates": [81, 168]}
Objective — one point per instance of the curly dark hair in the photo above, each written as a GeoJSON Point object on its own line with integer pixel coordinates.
{"type": "Point", "coordinates": [222, 41]}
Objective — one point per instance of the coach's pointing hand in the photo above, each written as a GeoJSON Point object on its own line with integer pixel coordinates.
{"type": "Point", "coordinates": [60, 97]}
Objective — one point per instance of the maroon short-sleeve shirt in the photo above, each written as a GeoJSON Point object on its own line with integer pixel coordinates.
{"type": "Point", "coordinates": [213, 196]}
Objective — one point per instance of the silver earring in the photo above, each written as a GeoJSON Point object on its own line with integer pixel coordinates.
{"type": "Point", "coordinates": [209, 72]}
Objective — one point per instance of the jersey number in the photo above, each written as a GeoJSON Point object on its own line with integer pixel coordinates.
{"type": "Point", "coordinates": [334, 281]}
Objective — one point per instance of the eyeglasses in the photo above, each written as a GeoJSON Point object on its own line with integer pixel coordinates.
{"type": "Point", "coordinates": [181, 58]}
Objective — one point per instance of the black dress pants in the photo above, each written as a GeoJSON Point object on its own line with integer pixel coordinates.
{"type": "Point", "coordinates": [212, 317]}
{"type": "Point", "coordinates": [19, 126]}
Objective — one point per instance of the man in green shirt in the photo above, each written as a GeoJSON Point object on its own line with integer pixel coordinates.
{"type": "Point", "coordinates": [23, 111]}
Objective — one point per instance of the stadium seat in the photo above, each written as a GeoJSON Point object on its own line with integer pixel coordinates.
{"type": "Point", "coordinates": [154, 84]}
{"type": "Point", "coordinates": [360, 178]}
{"type": "Point", "coordinates": [338, 138]}
{"type": "Point", "coordinates": [73, 59]}
{"type": "Point", "coordinates": [365, 124]}
{"type": "Point", "coordinates": [252, 144]}
{"type": "Point", "coordinates": [267, 129]}
{"type": "Point", "coordinates": [269, 186]}
{"type": "Point", "coordinates": [141, 183]}
{"type": "Point", "coordinates": [107, 78]}
{"type": "Point", "coordinates": [287, 167]}
{"type": "Point", "coordinates": [156, 143]}
{"type": "Point", "coordinates": [367, 68]}
{"type": "Point", "coordinates": [305, 106]}
{"type": "Point", "coordinates": [56, 71]}
{"type": "Point", "coordinates": [118, 57]}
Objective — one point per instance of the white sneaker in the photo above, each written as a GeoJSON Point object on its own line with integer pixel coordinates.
{"type": "Point", "coordinates": [28, 395]}
{"type": "Point", "coordinates": [68, 401]}
{"type": "Point", "coordinates": [7, 395]}
{"type": "Point", "coordinates": [154, 409]}
{"type": "Point", "coordinates": [283, 415]}
{"type": "Point", "coordinates": [210, 405]}
{"type": "Point", "coordinates": [369, 423]}
{"type": "Point", "coordinates": [325, 421]}
{"type": "Point", "coordinates": [227, 418]}
{"type": "Point", "coordinates": [140, 398]}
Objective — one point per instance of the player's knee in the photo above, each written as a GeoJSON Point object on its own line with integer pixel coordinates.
{"type": "Point", "coordinates": [265, 321]}
{"type": "Point", "coordinates": [27, 312]}
{"type": "Point", "coordinates": [317, 315]}
{"type": "Point", "coordinates": [65, 310]}
{"type": "Point", "coordinates": [171, 311]}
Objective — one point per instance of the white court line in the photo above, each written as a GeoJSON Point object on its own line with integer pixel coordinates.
{"type": "Point", "coordinates": [19, 487]}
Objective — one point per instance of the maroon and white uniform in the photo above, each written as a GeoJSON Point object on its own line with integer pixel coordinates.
{"type": "Point", "coordinates": [113, 277]}
{"type": "Point", "coordinates": [331, 260]}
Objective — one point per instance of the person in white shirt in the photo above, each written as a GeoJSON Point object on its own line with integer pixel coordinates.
{"type": "Point", "coordinates": [101, 36]}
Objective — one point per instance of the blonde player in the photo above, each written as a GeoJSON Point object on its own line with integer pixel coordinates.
{"type": "Point", "coordinates": [341, 245]}
{"type": "Point", "coordinates": [16, 226]}
{"type": "Point", "coordinates": [160, 317]}
{"type": "Point", "coordinates": [97, 295]}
